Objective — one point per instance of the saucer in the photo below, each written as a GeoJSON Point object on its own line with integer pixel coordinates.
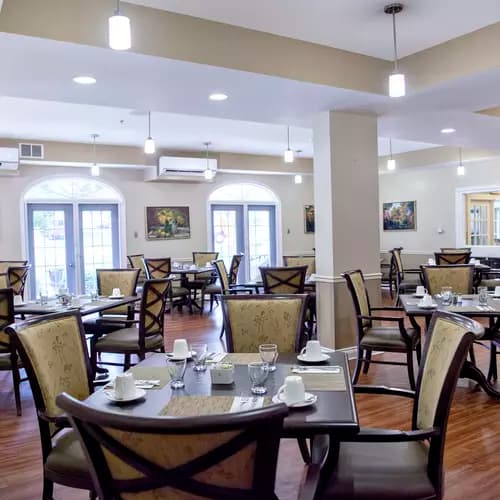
{"type": "Point", "coordinates": [302, 357]}
{"type": "Point", "coordinates": [431, 306]}
{"type": "Point", "coordinates": [309, 401]}
{"type": "Point", "coordinates": [170, 355]}
{"type": "Point", "coordinates": [418, 295]}
{"type": "Point", "coordinates": [116, 296]}
{"type": "Point", "coordinates": [111, 395]}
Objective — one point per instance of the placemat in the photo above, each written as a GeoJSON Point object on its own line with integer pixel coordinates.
{"type": "Point", "coordinates": [152, 373]}
{"type": "Point", "coordinates": [194, 406]}
{"type": "Point", "coordinates": [323, 381]}
{"type": "Point", "coordinates": [238, 358]}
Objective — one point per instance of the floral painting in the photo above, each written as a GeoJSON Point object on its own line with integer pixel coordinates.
{"type": "Point", "coordinates": [167, 223]}
{"type": "Point", "coordinates": [400, 215]}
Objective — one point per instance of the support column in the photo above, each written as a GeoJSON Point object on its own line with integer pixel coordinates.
{"type": "Point", "coordinates": [347, 218]}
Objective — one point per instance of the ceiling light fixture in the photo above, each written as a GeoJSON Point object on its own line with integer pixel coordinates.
{"type": "Point", "coordinates": [217, 96]}
{"type": "Point", "coordinates": [298, 177]}
{"type": "Point", "coordinates": [208, 173]}
{"type": "Point", "coordinates": [288, 154]}
{"type": "Point", "coordinates": [460, 168]}
{"type": "Point", "coordinates": [391, 162]}
{"type": "Point", "coordinates": [149, 143]}
{"type": "Point", "coordinates": [94, 169]}
{"type": "Point", "coordinates": [397, 85]}
{"type": "Point", "coordinates": [120, 37]}
{"type": "Point", "coordinates": [84, 80]}
{"type": "Point", "coordinates": [448, 130]}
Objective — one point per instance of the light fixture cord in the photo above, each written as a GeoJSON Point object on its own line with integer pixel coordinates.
{"type": "Point", "coordinates": [460, 155]}
{"type": "Point", "coordinates": [207, 144]}
{"type": "Point", "coordinates": [288, 137]}
{"type": "Point", "coordinates": [390, 146]}
{"type": "Point", "coordinates": [95, 154]}
{"type": "Point", "coordinates": [394, 40]}
{"type": "Point", "coordinates": [117, 6]}
{"type": "Point", "coordinates": [149, 125]}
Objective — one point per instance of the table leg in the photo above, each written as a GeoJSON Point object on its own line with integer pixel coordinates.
{"type": "Point", "coordinates": [472, 372]}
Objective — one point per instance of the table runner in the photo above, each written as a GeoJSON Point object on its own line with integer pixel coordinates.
{"type": "Point", "coordinates": [194, 406]}
{"type": "Point", "coordinates": [238, 358]}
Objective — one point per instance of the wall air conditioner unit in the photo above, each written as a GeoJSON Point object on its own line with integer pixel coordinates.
{"type": "Point", "coordinates": [9, 159]}
{"type": "Point", "coordinates": [183, 169]}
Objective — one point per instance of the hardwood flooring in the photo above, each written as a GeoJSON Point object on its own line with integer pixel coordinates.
{"type": "Point", "coordinates": [472, 450]}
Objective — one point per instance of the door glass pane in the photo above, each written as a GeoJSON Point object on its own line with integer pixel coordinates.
{"type": "Point", "coordinates": [478, 220]}
{"type": "Point", "coordinates": [225, 233]}
{"type": "Point", "coordinates": [261, 239]}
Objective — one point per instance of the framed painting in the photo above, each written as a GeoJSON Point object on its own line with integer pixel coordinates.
{"type": "Point", "coordinates": [167, 223]}
{"type": "Point", "coordinates": [400, 216]}
{"type": "Point", "coordinates": [309, 219]}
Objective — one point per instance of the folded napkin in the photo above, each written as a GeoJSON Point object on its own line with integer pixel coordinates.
{"type": "Point", "coordinates": [316, 369]}
{"type": "Point", "coordinates": [242, 403]}
{"type": "Point", "coordinates": [216, 357]}
{"type": "Point", "coordinates": [139, 384]}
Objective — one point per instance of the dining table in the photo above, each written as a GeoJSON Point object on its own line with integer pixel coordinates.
{"type": "Point", "coordinates": [185, 271]}
{"type": "Point", "coordinates": [471, 308]}
{"type": "Point", "coordinates": [330, 419]}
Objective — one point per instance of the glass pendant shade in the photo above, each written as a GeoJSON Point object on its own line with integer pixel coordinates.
{"type": "Point", "coordinates": [397, 86]}
{"type": "Point", "coordinates": [95, 170]}
{"type": "Point", "coordinates": [149, 146]}
{"type": "Point", "coordinates": [391, 164]}
{"type": "Point", "coordinates": [119, 32]}
{"type": "Point", "coordinates": [288, 156]}
{"type": "Point", "coordinates": [460, 170]}
{"type": "Point", "coordinates": [209, 175]}
{"type": "Point", "coordinates": [298, 179]}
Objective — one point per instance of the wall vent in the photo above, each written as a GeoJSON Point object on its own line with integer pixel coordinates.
{"type": "Point", "coordinates": [33, 151]}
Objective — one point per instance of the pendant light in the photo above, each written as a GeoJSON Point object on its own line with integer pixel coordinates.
{"type": "Point", "coordinates": [149, 143]}
{"type": "Point", "coordinates": [298, 177]}
{"type": "Point", "coordinates": [120, 37]}
{"type": "Point", "coordinates": [397, 85]}
{"type": "Point", "coordinates": [94, 169]}
{"type": "Point", "coordinates": [288, 154]}
{"type": "Point", "coordinates": [391, 162]}
{"type": "Point", "coordinates": [460, 168]}
{"type": "Point", "coordinates": [208, 173]}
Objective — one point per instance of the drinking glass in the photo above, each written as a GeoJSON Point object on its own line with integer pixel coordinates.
{"type": "Point", "coordinates": [258, 375]}
{"type": "Point", "coordinates": [44, 298]}
{"type": "Point", "coordinates": [199, 352]}
{"type": "Point", "coordinates": [176, 369]}
{"type": "Point", "coordinates": [446, 294]}
{"type": "Point", "coordinates": [483, 295]}
{"type": "Point", "coordinates": [269, 354]}
{"type": "Point", "coordinates": [93, 295]}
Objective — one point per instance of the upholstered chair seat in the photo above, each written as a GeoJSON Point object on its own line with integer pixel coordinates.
{"type": "Point", "coordinates": [126, 339]}
{"type": "Point", "coordinates": [386, 337]}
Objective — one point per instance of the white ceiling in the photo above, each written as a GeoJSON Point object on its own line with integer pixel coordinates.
{"type": "Point", "coordinates": [354, 25]}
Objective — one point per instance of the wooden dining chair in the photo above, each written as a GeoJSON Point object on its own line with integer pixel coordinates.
{"type": "Point", "coordinates": [136, 261]}
{"type": "Point", "coordinates": [5, 264]}
{"type": "Point", "coordinates": [16, 277]}
{"type": "Point", "coordinates": [199, 282]}
{"type": "Point", "coordinates": [458, 277]}
{"type": "Point", "coordinates": [450, 258]}
{"type": "Point", "coordinates": [283, 279]}
{"type": "Point", "coordinates": [371, 337]}
{"type": "Point", "coordinates": [407, 280]}
{"type": "Point", "coordinates": [234, 268]}
{"type": "Point", "coordinates": [54, 354]}
{"type": "Point", "coordinates": [220, 457]}
{"type": "Point", "coordinates": [387, 464]}
{"type": "Point", "coordinates": [301, 260]}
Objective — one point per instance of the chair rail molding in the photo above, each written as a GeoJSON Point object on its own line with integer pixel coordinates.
{"type": "Point", "coordinates": [338, 279]}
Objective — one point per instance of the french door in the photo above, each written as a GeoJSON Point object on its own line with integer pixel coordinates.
{"type": "Point", "coordinates": [67, 242]}
{"type": "Point", "coordinates": [245, 228]}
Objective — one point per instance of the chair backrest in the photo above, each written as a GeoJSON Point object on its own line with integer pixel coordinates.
{"type": "Point", "coordinates": [458, 277]}
{"type": "Point", "coordinates": [301, 260]}
{"type": "Point", "coordinates": [443, 258]}
{"type": "Point", "coordinates": [6, 314]}
{"type": "Point", "coordinates": [456, 250]}
{"type": "Point", "coordinates": [137, 262]}
{"type": "Point", "coordinates": [221, 270]}
{"type": "Point", "coordinates": [234, 268]}
{"type": "Point", "coordinates": [54, 353]}
{"type": "Point", "coordinates": [124, 279]}
{"type": "Point", "coordinates": [447, 342]}
{"type": "Point", "coordinates": [251, 320]}
{"type": "Point", "coordinates": [5, 264]}
{"type": "Point", "coordinates": [359, 293]}
{"type": "Point", "coordinates": [201, 259]}
{"type": "Point", "coordinates": [17, 277]}
{"type": "Point", "coordinates": [226, 456]}
{"type": "Point", "coordinates": [152, 313]}
{"type": "Point", "coordinates": [283, 279]}
{"type": "Point", "coordinates": [397, 262]}
{"type": "Point", "coordinates": [158, 268]}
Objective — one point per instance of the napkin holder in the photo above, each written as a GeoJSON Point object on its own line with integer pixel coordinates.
{"type": "Point", "coordinates": [222, 374]}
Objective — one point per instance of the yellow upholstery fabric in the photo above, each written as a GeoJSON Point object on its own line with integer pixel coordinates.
{"type": "Point", "coordinates": [55, 350]}
{"type": "Point", "coordinates": [276, 277]}
{"type": "Point", "coordinates": [201, 260]}
{"type": "Point", "coordinates": [459, 278]}
{"type": "Point", "coordinates": [127, 339]}
{"type": "Point", "coordinates": [5, 264]}
{"type": "Point", "coordinates": [397, 260]}
{"type": "Point", "coordinates": [16, 277]}
{"type": "Point", "coordinates": [153, 306]}
{"type": "Point", "coordinates": [304, 260]}
{"type": "Point", "coordinates": [4, 281]}
{"type": "Point", "coordinates": [360, 290]}
{"type": "Point", "coordinates": [445, 258]}
{"type": "Point", "coordinates": [137, 262]}
{"type": "Point", "coordinates": [444, 343]}
{"type": "Point", "coordinates": [159, 268]}
{"type": "Point", "coordinates": [4, 319]}
{"type": "Point", "coordinates": [224, 281]}
{"type": "Point", "coordinates": [174, 450]}
{"type": "Point", "coordinates": [124, 279]}
{"type": "Point", "coordinates": [253, 322]}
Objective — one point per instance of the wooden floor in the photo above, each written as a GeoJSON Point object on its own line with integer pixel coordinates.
{"type": "Point", "coordinates": [472, 460]}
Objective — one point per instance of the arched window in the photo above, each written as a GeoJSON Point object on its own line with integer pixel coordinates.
{"type": "Point", "coordinates": [243, 220]}
{"type": "Point", "coordinates": [72, 230]}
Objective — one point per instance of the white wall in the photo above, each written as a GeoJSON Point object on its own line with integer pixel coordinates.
{"type": "Point", "coordinates": [434, 190]}
{"type": "Point", "coordinates": [138, 194]}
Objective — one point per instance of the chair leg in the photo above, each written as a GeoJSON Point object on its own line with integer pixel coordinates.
{"type": "Point", "coordinates": [202, 302]}
{"type": "Point", "coordinates": [357, 370]}
{"type": "Point", "coordinates": [304, 450]}
{"type": "Point", "coordinates": [492, 370]}
{"type": "Point", "coordinates": [472, 355]}
{"type": "Point", "coordinates": [93, 356]}
{"type": "Point", "coordinates": [368, 358]}
{"type": "Point", "coordinates": [48, 489]}
{"type": "Point", "coordinates": [418, 350]}
{"type": "Point", "coordinates": [212, 302]}
{"type": "Point", "coordinates": [411, 375]}
{"type": "Point", "coordinates": [16, 382]}
{"type": "Point", "coordinates": [126, 364]}
{"type": "Point", "coordinates": [222, 330]}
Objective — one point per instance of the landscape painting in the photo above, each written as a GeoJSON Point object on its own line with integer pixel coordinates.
{"type": "Point", "coordinates": [400, 216]}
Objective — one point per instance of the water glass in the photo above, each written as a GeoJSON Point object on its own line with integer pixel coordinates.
{"type": "Point", "coordinates": [258, 373]}
{"type": "Point", "coordinates": [482, 291]}
{"type": "Point", "coordinates": [176, 369]}
{"type": "Point", "coordinates": [93, 295]}
{"type": "Point", "coordinates": [446, 295]}
{"type": "Point", "coordinates": [199, 353]}
{"type": "Point", "coordinates": [269, 354]}
{"type": "Point", "coordinates": [44, 298]}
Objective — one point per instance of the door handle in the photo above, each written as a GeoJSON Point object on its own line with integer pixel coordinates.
{"type": "Point", "coordinates": [71, 265]}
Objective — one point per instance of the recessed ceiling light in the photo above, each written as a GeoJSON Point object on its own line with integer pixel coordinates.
{"type": "Point", "coordinates": [217, 97]}
{"type": "Point", "coordinates": [448, 130]}
{"type": "Point", "coordinates": [84, 80]}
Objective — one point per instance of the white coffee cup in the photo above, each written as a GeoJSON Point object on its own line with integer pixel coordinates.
{"type": "Point", "coordinates": [125, 386]}
{"type": "Point", "coordinates": [181, 349]}
{"type": "Point", "coordinates": [312, 350]}
{"type": "Point", "coordinates": [431, 262]}
{"type": "Point", "coordinates": [426, 300]}
{"type": "Point", "coordinates": [193, 266]}
{"type": "Point", "coordinates": [18, 300]}
{"type": "Point", "coordinates": [497, 291]}
{"type": "Point", "coordinates": [75, 301]}
{"type": "Point", "coordinates": [293, 390]}
{"type": "Point", "coordinates": [116, 292]}
{"type": "Point", "coordinates": [420, 290]}
{"type": "Point", "coordinates": [472, 261]}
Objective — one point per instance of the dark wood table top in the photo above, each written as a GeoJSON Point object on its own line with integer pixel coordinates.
{"type": "Point", "coordinates": [194, 270]}
{"type": "Point", "coordinates": [334, 413]}
{"type": "Point", "coordinates": [470, 306]}
{"type": "Point", "coordinates": [87, 306]}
